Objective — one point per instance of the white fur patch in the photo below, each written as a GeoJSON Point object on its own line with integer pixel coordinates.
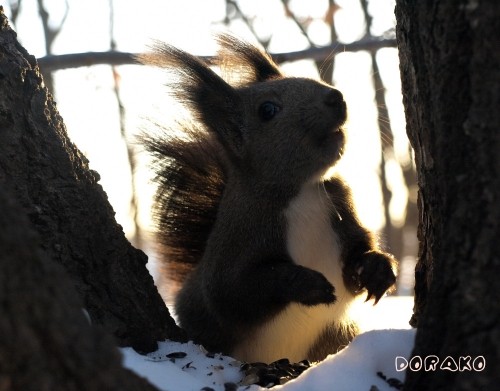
{"type": "Point", "coordinates": [289, 335]}
{"type": "Point", "coordinates": [312, 243]}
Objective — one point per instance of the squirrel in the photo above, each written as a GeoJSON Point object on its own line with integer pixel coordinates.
{"type": "Point", "coordinates": [269, 252]}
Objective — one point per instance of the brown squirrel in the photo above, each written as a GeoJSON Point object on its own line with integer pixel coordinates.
{"type": "Point", "coordinates": [269, 253]}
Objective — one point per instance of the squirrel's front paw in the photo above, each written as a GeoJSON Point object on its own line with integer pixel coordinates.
{"type": "Point", "coordinates": [375, 273]}
{"type": "Point", "coordinates": [310, 287]}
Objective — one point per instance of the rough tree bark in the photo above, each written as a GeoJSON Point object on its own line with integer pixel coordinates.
{"type": "Point", "coordinates": [68, 209]}
{"type": "Point", "coordinates": [450, 68]}
{"type": "Point", "coordinates": [46, 342]}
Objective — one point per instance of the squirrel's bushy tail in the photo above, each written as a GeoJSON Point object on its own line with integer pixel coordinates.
{"type": "Point", "coordinates": [190, 161]}
{"type": "Point", "coordinates": [190, 175]}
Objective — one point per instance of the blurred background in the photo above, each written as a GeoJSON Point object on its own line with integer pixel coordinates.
{"type": "Point", "coordinates": [106, 100]}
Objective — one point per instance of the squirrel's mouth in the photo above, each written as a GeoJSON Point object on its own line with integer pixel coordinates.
{"type": "Point", "coordinates": [331, 145]}
{"type": "Point", "coordinates": [332, 135]}
{"type": "Point", "coordinates": [340, 117]}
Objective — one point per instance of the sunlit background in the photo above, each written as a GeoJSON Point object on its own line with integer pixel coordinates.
{"type": "Point", "coordinates": [104, 107]}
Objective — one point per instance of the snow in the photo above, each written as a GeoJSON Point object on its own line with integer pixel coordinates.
{"type": "Point", "coordinates": [354, 368]}
{"type": "Point", "coordinates": [193, 372]}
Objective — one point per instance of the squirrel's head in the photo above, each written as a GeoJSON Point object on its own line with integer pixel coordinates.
{"type": "Point", "coordinates": [274, 129]}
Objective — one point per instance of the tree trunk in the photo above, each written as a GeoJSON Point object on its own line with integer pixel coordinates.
{"type": "Point", "coordinates": [450, 68]}
{"type": "Point", "coordinates": [46, 343]}
{"type": "Point", "coordinates": [69, 210]}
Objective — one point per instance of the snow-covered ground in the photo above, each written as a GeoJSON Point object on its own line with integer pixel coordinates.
{"type": "Point", "coordinates": [363, 365]}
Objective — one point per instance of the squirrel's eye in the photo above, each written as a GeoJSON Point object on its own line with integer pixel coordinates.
{"type": "Point", "coordinates": [268, 110]}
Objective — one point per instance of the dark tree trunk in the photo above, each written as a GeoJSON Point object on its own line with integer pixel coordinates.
{"type": "Point", "coordinates": [450, 68]}
{"type": "Point", "coordinates": [46, 344]}
{"type": "Point", "coordinates": [68, 209]}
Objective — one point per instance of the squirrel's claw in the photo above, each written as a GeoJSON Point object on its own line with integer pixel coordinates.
{"type": "Point", "coordinates": [375, 274]}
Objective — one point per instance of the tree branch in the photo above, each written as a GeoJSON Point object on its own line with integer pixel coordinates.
{"type": "Point", "coordinates": [131, 156]}
{"type": "Point", "coordinates": [294, 18]}
{"type": "Point", "coordinates": [76, 60]}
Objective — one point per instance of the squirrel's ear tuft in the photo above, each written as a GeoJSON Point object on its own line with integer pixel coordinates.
{"type": "Point", "coordinates": [250, 63]}
{"type": "Point", "coordinates": [212, 101]}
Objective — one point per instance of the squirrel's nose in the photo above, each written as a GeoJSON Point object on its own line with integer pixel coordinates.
{"type": "Point", "coordinates": [333, 97]}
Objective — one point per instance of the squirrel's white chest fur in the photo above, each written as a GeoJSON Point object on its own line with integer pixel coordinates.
{"type": "Point", "coordinates": [311, 242]}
